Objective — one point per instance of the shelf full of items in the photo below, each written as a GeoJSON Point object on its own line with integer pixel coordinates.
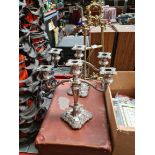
{"type": "Point", "coordinates": [52, 8]}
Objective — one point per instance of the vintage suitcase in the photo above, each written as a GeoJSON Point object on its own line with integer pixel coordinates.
{"type": "Point", "coordinates": [57, 138]}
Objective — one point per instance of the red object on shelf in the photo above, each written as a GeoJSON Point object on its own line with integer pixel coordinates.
{"type": "Point", "coordinates": [23, 74]}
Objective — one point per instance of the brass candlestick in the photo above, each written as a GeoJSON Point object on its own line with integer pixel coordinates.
{"type": "Point", "coordinates": [85, 30]}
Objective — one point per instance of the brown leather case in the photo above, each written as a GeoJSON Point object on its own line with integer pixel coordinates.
{"type": "Point", "coordinates": [57, 138]}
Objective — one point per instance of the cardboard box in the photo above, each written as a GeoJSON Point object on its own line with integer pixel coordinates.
{"type": "Point", "coordinates": [123, 138]}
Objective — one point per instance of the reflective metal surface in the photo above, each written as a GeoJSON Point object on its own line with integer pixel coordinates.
{"type": "Point", "coordinates": [79, 119]}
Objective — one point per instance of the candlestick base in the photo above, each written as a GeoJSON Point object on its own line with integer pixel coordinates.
{"type": "Point", "coordinates": [77, 121]}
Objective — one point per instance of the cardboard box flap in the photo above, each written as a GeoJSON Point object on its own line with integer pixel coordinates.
{"type": "Point", "coordinates": [124, 83]}
{"type": "Point", "coordinates": [110, 112]}
{"type": "Point", "coordinates": [126, 129]}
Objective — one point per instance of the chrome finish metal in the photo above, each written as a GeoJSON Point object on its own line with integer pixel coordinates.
{"type": "Point", "coordinates": [76, 121]}
{"type": "Point", "coordinates": [44, 68]}
{"type": "Point", "coordinates": [78, 47]}
{"type": "Point", "coordinates": [83, 90]}
{"type": "Point", "coordinates": [72, 62]}
{"type": "Point", "coordinates": [76, 116]}
{"type": "Point", "coordinates": [104, 56]}
{"type": "Point", "coordinates": [55, 52]}
{"type": "Point", "coordinates": [45, 74]}
{"type": "Point", "coordinates": [106, 73]}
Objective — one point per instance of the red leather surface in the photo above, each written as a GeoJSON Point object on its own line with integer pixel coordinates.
{"type": "Point", "coordinates": [57, 138]}
{"type": "Point", "coordinates": [27, 154]}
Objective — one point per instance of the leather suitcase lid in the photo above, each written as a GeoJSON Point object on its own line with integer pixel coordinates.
{"type": "Point", "coordinates": [56, 134]}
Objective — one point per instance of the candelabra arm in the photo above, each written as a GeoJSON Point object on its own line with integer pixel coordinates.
{"type": "Point", "coordinates": [98, 89]}
{"type": "Point", "coordinates": [62, 82]}
{"type": "Point", "coordinates": [90, 65]}
{"type": "Point", "coordinates": [94, 47]}
{"type": "Point", "coordinates": [59, 83]}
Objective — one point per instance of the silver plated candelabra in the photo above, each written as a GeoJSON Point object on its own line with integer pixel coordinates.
{"type": "Point", "coordinates": [76, 115]}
